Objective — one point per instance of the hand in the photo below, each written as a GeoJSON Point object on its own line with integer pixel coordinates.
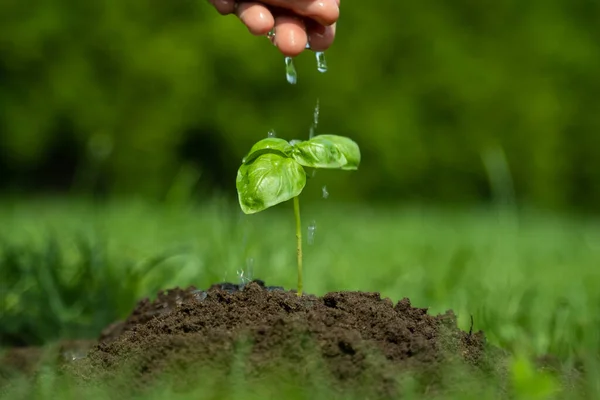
{"type": "Point", "coordinates": [296, 22]}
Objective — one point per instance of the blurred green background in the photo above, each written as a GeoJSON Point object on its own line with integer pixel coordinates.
{"type": "Point", "coordinates": [451, 102]}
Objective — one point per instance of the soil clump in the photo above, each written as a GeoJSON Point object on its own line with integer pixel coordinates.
{"type": "Point", "coordinates": [350, 337]}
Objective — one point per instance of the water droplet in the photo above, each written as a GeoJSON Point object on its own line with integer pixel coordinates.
{"type": "Point", "coordinates": [312, 229]}
{"type": "Point", "coordinates": [271, 133]}
{"type": "Point", "coordinates": [313, 127]}
{"type": "Point", "coordinates": [241, 277]}
{"type": "Point", "coordinates": [245, 275]}
{"type": "Point", "coordinates": [325, 192]}
{"type": "Point", "coordinates": [316, 114]}
{"type": "Point", "coordinates": [271, 35]}
{"type": "Point", "coordinates": [199, 295]}
{"type": "Point", "coordinates": [74, 354]}
{"type": "Point", "coordinates": [250, 267]}
{"type": "Point", "coordinates": [290, 71]}
{"type": "Point", "coordinates": [321, 62]}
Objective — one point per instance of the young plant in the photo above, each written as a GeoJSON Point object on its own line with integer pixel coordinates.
{"type": "Point", "coordinates": [273, 172]}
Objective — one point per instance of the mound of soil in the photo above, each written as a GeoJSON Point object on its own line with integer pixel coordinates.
{"type": "Point", "coordinates": [352, 336]}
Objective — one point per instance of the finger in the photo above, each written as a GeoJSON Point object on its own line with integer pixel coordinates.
{"type": "Point", "coordinates": [290, 35]}
{"type": "Point", "coordinates": [325, 12]}
{"type": "Point", "coordinates": [321, 38]}
{"type": "Point", "coordinates": [257, 18]}
{"type": "Point", "coordinates": [224, 7]}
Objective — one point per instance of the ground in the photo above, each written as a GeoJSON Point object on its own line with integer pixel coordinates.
{"type": "Point", "coordinates": [525, 280]}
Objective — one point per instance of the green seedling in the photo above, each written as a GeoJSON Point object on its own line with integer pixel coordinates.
{"type": "Point", "coordinates": [273, 172]}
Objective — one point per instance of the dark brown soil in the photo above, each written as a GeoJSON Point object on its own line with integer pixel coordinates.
{"type": "Point", "coordinates": [353, 337]}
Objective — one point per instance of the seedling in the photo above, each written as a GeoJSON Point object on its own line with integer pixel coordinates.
{"type": "Point", "coordinates": [273, 172]}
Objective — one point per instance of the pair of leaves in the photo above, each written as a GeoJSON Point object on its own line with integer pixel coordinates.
{"type": "Point", "coordinates": [273, 170]}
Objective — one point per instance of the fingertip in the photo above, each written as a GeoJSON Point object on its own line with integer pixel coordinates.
{"type": "Point", "coordinates": [321, 39]}
{"type": "Point", "coordinates": [324, 12]}
{"type": "Point", "coordinates": [257, 18]}
{"type": "Point", "coordinates": [290, 37]}
{"type": "Point", "coordinates": [288, 50]}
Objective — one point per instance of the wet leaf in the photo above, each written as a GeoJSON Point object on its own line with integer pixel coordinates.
{"type": "Point", "coordinates": [319, 153]}
{"type": "Point", "coordinates": [267, 180]}
{"type": "Point", "coordinates": [269, 145]}
{"type": "Point", "coordinates": [328, 151]}
{"type": "Point", "coordinates": [348, 147]}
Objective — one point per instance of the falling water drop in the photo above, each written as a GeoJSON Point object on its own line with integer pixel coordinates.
{"type": "Point", "coordinates": [290, 71]}
{"type": "Point", "coordinates": [245, 275]}
{"type": "Point", "coordinates": [312, 228]}
{"type": "Point", "coordinates": [250, 268]}
{"type": "Point", "coordinates": [325, 192]}
{"type": "Point", "coordinates": [321, 62]}
{"type": "Point", "coordinates": [313, 127]}
{"type": "Point", "coordinates": [271, 133]}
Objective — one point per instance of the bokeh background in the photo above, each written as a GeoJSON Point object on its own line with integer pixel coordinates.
{"type": "Point", "coordinates": [451, 102]}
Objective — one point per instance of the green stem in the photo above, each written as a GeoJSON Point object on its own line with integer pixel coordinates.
{"type": "Point", "coordinates": [298, 242]}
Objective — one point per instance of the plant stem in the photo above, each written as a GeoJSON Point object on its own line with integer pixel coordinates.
{"type": "Point", "coordinates": [298, 241]}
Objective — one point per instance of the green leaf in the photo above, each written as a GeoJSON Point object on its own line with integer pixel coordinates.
{"type": "Point", "coordinates": [328, 151]}
{"type": "Point", "coordinates": [267, 180]}
{"type": "Point", "coordinates": [269, 145]}
{"type": "Point", "coordinates": [348, 147]}
{"type": "Point", "coordinates": [318, 153]}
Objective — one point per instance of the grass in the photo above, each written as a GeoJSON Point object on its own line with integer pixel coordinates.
{"type": "Point", "coordinates": [528, 279]}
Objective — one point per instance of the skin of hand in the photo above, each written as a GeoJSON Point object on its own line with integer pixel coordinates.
{"type": "Point", "coordinates": [296, 22]}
